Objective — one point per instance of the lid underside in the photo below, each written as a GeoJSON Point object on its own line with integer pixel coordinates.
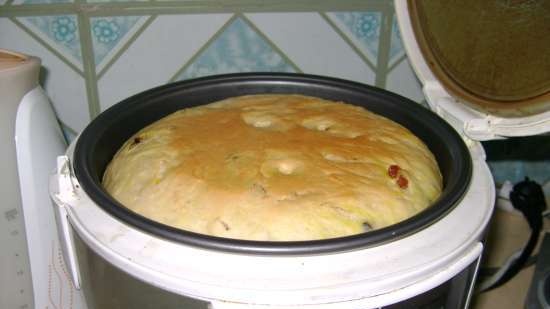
{"type": "Point", "coordinates": [492, 54]}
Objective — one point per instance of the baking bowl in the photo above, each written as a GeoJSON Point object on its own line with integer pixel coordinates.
{"type": "Point", "coordinates": [101, 139]}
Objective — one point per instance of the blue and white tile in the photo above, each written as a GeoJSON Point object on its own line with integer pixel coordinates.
{"type": "Point", "coordinates": [362, 28]}
{"type": "Point", "coordinates": [157, 54]}
{"type": "Point", "coordinates": [312, 45]}
{"type": "Point", "coordinates": [239, 48]}
{"type": "Point", "coordinates": [60, 32]}
{"type": "Point", "coordinates": [396, 44]}
{"type": "Point", "coordinates": [403, 81]}
{"type": "Point", "coordinates": [65, 88]}
{"type": "Point", "coordinates": [110, 33]}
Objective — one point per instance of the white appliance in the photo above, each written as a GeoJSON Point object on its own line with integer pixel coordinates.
{"type": "Point", "coordinates": [17, 78]}
{"type": "Point", "coordinates": [435, 266]}
{"type": "Point", "coordinates": [31, 140]}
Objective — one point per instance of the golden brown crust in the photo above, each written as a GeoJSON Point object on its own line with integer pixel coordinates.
{"type": "Point", "coordinates": [274, 167]}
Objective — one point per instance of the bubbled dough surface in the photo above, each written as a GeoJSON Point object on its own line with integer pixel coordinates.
{"type": "Point", "coordinates": [274, 167]}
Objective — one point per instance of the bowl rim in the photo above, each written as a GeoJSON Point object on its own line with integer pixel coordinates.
{"type": "Point", "coordinates": [84, 162]}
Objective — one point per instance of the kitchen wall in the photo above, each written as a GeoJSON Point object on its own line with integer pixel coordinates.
{"type": "Point", "coordinates": [98, 52]}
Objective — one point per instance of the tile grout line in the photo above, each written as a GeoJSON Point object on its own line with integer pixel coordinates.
{"type": "Point", "coordinates": [67, 127]}
{"type": "Point", "coordinates": [348, 41]}
{"type": "Point", "coordinates": [397, 62]}
{"type": "Point", "coordinates": [384, 47]}
{"type": "Point", "coordinates": [270, 43]}
{"type": "Point", "coordinates": [12, 10]}
{"type": "Point", "coordinates": [126, 45]}
{"type": "Point", "coordinates": [88, 64]}
{"type": "Point", "coordinates": [186, 7]}
{"type": "Point", "coordinates": [207, 44]}
{"type": "Point", "coordinates": [64, 126]}
{"type": "Point", "coordinates": [46, 45]}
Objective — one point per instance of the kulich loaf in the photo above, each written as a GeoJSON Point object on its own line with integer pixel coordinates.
{"type": "Point", "coordinates": [275, 167]}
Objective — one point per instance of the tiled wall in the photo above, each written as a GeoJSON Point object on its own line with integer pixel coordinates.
{"type": "Point", "coordinates": [98, 52]}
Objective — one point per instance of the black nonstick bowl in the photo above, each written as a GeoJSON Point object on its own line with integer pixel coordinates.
{"type": "Point", "coordinates": [101, 139]}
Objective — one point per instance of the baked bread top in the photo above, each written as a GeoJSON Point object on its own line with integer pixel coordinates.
{"type": "Point", "coordinates": [274, 167]}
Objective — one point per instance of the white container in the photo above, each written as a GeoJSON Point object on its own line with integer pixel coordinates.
{"type": "Point", "coordinates": [363, 278]}
{"type": "Point", "coordinates": [436, 263]}
{"type": "Point", "coordinates": [31, 140]}
{"type": "Point", "coordinates": [18, 77]}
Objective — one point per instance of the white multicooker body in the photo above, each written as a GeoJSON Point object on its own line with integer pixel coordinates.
{"type": "Point", "coordinates": [367, 278]}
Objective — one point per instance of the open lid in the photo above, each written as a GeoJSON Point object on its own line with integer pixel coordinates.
{"type": "Point", "coordinates": [484, 65]}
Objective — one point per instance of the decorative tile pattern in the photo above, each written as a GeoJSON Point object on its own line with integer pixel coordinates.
{"type": "Point", "coordinates": [238, 49]}
{"type": "Point", "coordinates": [365, 29]}
{"type": "Point", "coordinates": [396, 45]}
{"type": "Point", "coordinates": [61, 31]}
{"type": "Point", "coordinates": [157, 55]}
{"type": "Point", "coordinates": [108, 32]}
{"type": "Point", "coordinates": [310, 41]}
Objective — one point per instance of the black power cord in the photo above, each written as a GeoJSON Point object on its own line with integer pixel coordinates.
{"type": "Point", "coordinates": [527, 197]}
